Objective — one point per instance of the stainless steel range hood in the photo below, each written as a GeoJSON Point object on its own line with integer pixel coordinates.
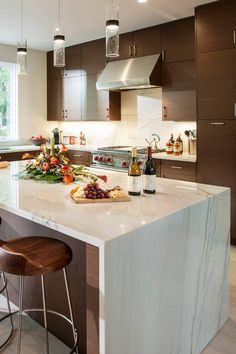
{"type": "Point", "coordinates": [131, 74]}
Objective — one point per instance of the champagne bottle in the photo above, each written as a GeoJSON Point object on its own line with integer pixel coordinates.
{"type": "Point", "coordinates": [134, 175]}
{"type": "Point", "coordinates": [149, 174]}
{"type": "Point", "coordinates": [180, 141]}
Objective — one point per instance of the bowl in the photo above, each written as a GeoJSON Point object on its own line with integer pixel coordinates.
{"type": "Point", "coordinates": [38, 142]}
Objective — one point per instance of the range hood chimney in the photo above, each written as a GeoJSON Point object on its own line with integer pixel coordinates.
{"type": "Point", "coordinates": [131, 74]}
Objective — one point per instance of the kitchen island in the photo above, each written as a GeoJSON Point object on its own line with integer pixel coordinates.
{"type": "Point", "coordinates": [148, 276]}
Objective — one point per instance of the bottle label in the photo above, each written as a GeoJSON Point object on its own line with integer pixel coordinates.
{"type": "Point", "coordinates": [149, 182]}
{"type": "Point", "coordinates": [134, 184]}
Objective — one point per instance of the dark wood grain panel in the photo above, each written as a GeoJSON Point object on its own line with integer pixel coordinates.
{"type": "Point", "coordinates": [55, 100]}
{"type": "Point", "coordinates": [179, 168]}
{"type": "Point", "coordinates": [52, 71]}
{"type": "Point", "coordinates": [178, 40]}
{"type": "Point", "coordinates": [147, 41]}
{"type": "Point", "coordinates": [93, 56]}
{"type": "Point", "coordinates": [158, 167]}
{"type": "Point", "coordinates": [17, 156]}
{"type": "Point", "coordinates": [216, 163]}
{"type": "Point", "coordinates": [217, 84]}
{"type": "Point", "coordinates": [179, 91]}
{"type": "Point", "coordinates": [83, 281]}
{"type": "Point", "coordinates": [73, 63]}
{"type": "Point", "coordinates": [215, 24]}
{"type": "Point", "coordinates": [78, 157]}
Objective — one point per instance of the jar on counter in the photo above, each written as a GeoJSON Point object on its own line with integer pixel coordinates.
{"type": "Point", "coordinates": [66, 139]}
{"type": "Point", "coordinates": [176, 148]}
{"type": "Point", "coordinates": [72, 140]}
{"type": "Point", "coordinates": [169, 148]}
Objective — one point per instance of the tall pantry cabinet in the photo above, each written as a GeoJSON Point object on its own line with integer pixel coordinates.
{"type": "Point", "coordinates": [216, 97]}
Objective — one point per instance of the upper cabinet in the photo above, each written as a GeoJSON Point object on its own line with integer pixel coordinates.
{"type": "Point", "coordinates": [178, 40]}
{"type": "Point", "coordinates": [93, 57]}
{"type": "Point", "coordinates": [146, 41]}
{"type": "Point", "coordinates": [73, 61]}
{"type": "Point", "coordinates": [52, 71]}
{"type": "Point", "coordinates": [216, 26]}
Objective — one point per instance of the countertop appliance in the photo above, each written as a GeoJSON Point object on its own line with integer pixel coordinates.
{"type": "Point", "coordinates": [116, 157]}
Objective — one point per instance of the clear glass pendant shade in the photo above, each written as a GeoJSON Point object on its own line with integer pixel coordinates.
{"type": "Point", "coordinates": [22, 58]}
{"type": "Point", "coordinates": [112, 31]}
{"type": "Point", "coordinates": [59, 48]}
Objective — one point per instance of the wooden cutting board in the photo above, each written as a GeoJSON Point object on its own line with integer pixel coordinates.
{"type": "Point", "coordinates": [104, 200]}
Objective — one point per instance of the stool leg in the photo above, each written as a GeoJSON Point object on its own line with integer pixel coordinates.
{"type": "Point", "coordinates": [7, 297]}
{"type": "Point", "coordinates": [45, 313]}
{"type": "Point", "coordinates": [70, 306]}
{"type": "Point", "coordinates": [21, 291]}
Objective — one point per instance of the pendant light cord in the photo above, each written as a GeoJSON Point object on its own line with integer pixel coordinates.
{"type": "Point", "coordinates": [22, 19]}
{"type": "Point", "coordinates": [59, 12]}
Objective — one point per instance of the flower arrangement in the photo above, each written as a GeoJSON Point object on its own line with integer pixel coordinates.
{"type": "Point", "coordinates": [51, 165]}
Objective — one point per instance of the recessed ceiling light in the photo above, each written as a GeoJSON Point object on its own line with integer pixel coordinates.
{"type": "Point", "coordinates": [142, 1]}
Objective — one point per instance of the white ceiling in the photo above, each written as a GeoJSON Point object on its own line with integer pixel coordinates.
{"type": "Point", "coordinates": [83, 20]}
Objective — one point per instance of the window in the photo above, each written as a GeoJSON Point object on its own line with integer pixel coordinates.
{"type": "Point", "coordinates": [8, 101]}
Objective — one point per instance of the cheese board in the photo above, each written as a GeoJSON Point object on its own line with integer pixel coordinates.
{"type": "Point", "coordinates": [103, 200]}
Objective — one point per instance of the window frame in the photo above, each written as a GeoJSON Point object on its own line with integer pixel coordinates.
{"type": "Point", "coordinates": [13, 104]}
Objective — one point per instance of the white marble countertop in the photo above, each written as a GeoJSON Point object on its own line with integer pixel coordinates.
{"type": "Point", "coordinates": [184, 157]}
{"type": "Point", "coordinates": [52, 206]}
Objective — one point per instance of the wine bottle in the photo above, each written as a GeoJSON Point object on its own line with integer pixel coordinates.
{"type": "Point", "coordinates": [134, 175]}
{"type": "Point", "coordinates": [149, 174]}
{"type": "Point", "coordinates": [180, 141]}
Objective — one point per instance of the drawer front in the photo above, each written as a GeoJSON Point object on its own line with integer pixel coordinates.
{"type": "Point", "coordinates": [80, 157]}
{"type": "Point", "coordinates": [180, 177]}
{"type": "Point", "coordinates": [158, 167]}
{"type": "Point", "coordinates": [178, 169]}
{"type": "Point", "coordinates": [16, 156]}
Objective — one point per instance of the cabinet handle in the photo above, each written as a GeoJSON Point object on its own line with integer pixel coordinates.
{"type": "Point", "coordinates": [63, 114]}
{"type": "Point", "coordinates": [65, 117]}
{"type": "Point", "coordinates": [163, 54]}
{"type": "Point", "coordinates": [130, 51]}
{"type": "Point", "coordinates": [177, 167]}
{"type": "Point", "coordinates": [135, 50]}
{"type": "Point", "coordinates": [217, 123]}
{"type": "Point", "coordinates": [65, 72]}
{"type": "Point", "coordinates": [234, 37]}
{"type": "Point", "coordinates": [80, 156]}
{"type": "Point", "coordinates": [165, 111]}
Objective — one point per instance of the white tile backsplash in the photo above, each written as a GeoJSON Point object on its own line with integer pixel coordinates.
{"type": "Point", "coordinates": [141, 116]}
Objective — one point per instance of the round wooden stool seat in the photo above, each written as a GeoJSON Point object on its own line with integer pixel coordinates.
{"type": "Point", "coordinates": [33, 255]}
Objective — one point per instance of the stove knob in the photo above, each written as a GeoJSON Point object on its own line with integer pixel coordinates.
{"type": "Point", "coordinates": [101, 158]}
{"type": "Point", "coordinates": [124, 163]}
{"type": "Point", "coordinates": [96, 157]}
{"type": "Point", "coordinates": [109, 159]}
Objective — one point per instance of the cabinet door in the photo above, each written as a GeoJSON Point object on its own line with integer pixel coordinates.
{"type": "Point", "coordinates": [55, 99]}
{"type": "Point", "coordinates": [216, 163]}
{"type": "Point", "coordinates": [146, 41]}
{"type": "Point", "coordinates": [178, 40]}
{"type": "Point", "coordinates": [217, 84]}
{"type": "Point", "coordinates": [73, 61]}
{"type": "Point", "coordinates": [179, 91]}
{"type": "Point", "coordinates": [80, 157]}
{"type": "Point", "coordinates": [52, 71]}
{"type": "Point", "coordinates": [93, 56]}
{"type": "Point", "coordinates": [215, 26]}
{"type": "Point", "coordinates": [72, 89]}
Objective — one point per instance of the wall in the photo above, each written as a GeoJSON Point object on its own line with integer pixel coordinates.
{"type": "Point", "coordinates": [32, 89]}
{"type": "Point", "coordinates": [141, 116]}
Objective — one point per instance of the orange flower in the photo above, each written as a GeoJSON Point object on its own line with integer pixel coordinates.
{"type": "Point", "coordinates": [67, 179]}
{"type": "Point", "coordinates": [63, 148]}
{"type": "Point", "coordinates": [54, 160]}
{"type": "Point", "coordinates": [65, 169]}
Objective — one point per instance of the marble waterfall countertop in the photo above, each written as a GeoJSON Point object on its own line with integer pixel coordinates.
{"type": "Point", "coordinates": [51, 205]}
{"type": "Point", "coordinates": [163, 258]}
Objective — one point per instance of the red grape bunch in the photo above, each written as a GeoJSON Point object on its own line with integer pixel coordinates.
{"type": "Point", "coordinates": [93, 191]}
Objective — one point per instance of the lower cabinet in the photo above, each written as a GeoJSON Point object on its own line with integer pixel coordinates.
{"type": "Point", "coordinates": [216, 163]}
{"type": "Point", "coordinates": [16, 156]}
{"type": "Point", "coordinates": [184, 171]}
{"type": "Point", "coordinates": [80, 157]}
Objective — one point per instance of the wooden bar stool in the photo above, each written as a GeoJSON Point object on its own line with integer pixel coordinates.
{"type": "Point", "coordinates": [28, 256]}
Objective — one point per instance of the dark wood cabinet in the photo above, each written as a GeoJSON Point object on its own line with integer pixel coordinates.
{"type": "Point", "coordinates": [179, 91]}
{"type": "Point", "coordinates": [180, 170]}
{"type": "Point", "coordinates": [178, 40]}
{"type": "Point", "coordinates": [93, 56]}
{"type": "Point", "coordinates": [73, 61]}
{"type": "Point", "coordinates": [216, 163]}
{"type": "Point", "coordinates": [99, 105]}
{"type": "Point", "coordinates": [78, 157]}
{"type": "Point", "coordinates": [55, 100]}
{"type": "Point", "coordinates": [17, 156]}
{"type": "Point", "coordinates": [216, 26]}
{"type": "Point", "coordinates": [217, 84]}
{"type": "Point", "coordinates": [52, 71]}
{"type": "Point", "coordinates": [146, 41]}
{"type": "Point", "coordinates": [158, 167]}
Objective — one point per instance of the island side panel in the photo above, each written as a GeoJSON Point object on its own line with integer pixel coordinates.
{"type": "Point", "coordinates": [83, 275]}
{"type": "Point", "coordinates": [167, 283]}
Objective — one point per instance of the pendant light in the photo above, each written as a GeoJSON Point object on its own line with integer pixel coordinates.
{"type": "Point", "coordinates": [112, 30]}
{"type": "Point", "coordinates": [59, 42]}
{"type": "Point", "coordinates": [22, 48]}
